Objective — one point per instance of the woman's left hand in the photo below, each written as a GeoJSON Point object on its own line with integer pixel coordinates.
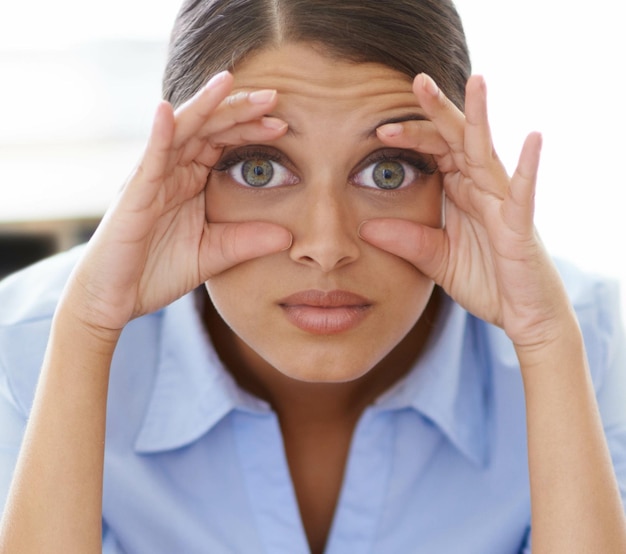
{"type": "Point", "coordinates": [488, 256]}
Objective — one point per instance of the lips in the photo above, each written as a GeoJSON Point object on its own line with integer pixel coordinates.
{"type": "Point", "coordinates": [325, 312]}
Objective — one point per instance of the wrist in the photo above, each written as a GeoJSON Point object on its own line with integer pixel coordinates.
{"type": "Point", "coordinates": [86, 312]}
{"type": "Point", "coordinates": [561, 346]}
{"type": "Point", "coordinates": [74, 327]}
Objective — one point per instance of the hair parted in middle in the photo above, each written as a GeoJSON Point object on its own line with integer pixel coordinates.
{"type": "Point", "coordinates": [411, 36]}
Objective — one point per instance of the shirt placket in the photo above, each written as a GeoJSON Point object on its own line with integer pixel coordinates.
{"type": "Point", "coordinates": [365, 485]}
{"type": "Point", "coordinates": [268, 481]}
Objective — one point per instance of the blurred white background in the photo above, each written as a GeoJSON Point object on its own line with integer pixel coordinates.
{"type": "Point", "coordinates": [80, 80]}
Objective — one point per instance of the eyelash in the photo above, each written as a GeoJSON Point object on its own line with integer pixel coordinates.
{"type": "Point", "coordinates": [423, 166]}
{"type": "Point", "coordinates": [240, 156]}
{"type": "Point", "coordinates": [243, 155]}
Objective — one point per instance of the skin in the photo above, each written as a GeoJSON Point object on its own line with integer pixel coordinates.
{"type": "Point", "coordinates": [328, 116]}
{"type": "Point", "coordinates": [161, 240]}
{"type": "Point", "coordinates": [332, 118]}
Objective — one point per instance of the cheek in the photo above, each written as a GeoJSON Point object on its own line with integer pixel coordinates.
{"type": "Point", "coordinates": [221, 203]}
{"type": "Point", "coordinates": [403, 292]}
{"type": "Point", "coordinates": [423, 205]}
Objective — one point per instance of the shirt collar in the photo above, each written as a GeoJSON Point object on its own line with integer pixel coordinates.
{"type": "Point", "coordinates": [193, 391]}
{"type": "Point", "coordinates": [449, 384]}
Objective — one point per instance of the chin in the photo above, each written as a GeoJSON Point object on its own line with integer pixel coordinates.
{"type": "Point", "coordinates": [328, 364]}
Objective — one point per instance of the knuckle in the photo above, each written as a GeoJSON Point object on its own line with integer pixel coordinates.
{"type": "Point", "coordinates": [487, 159]}
{"type": "Point", "coordinates": [234, 100]}
{"type": "Point", "coordinates": [471, 162]}
{"type": "Point", "coordinates": [228, 243]}
{"type": "Point", "coordinates": [216, 143]}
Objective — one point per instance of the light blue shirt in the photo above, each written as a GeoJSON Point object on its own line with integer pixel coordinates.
{"type": "Point", "coordinates": [194, 464]}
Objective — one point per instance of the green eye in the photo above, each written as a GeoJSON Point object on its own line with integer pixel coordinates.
{"type": "Point", "coordinates": [388, 175]}
{"type": "Point", "coordinates": [260, 168]}
{"type": "Point", "coordinates": [257, 172]}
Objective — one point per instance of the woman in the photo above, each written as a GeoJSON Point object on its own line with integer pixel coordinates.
{"type": "Point", "coordinates": [344, 386]}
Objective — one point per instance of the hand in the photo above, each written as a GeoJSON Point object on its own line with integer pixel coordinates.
{"type": "Point", "coordinates": [488, 257]}
{"type": "Point", "coordinates": [155, 243]}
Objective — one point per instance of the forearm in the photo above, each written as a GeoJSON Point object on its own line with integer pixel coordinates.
{"type": "Point", "coordinates": [55, 502]}
{"type": "Point", "coordinates": [575, 500]}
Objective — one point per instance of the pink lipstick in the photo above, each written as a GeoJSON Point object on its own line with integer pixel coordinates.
{"type": "Point", "coordinates": [325, 312]}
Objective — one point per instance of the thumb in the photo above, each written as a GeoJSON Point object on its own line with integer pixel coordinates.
{"type": "Point", "coordinates": [422, 246]}
{"type": "Point", "coordinates": [228, 244]}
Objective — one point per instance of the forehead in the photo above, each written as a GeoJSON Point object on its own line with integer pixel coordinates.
{"type": "Point", "coordinates": [323, 85]}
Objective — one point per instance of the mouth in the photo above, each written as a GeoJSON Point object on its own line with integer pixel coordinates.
{"type": "Point", "coordinates": [325, 312]}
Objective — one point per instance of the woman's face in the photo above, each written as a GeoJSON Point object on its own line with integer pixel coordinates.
{"type": "Point", "coordinates": [332, 306]}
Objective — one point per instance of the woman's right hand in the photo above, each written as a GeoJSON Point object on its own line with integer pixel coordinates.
{"type": "Point", "coordinates": [155, 244]}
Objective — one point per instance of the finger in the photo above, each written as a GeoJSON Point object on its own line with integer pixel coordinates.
{"type": "Point", "coordinates": [422, 246]}
{"type": "Point", "coordinates": [519, 208]}
{"type": "Point", "coordinates": [421, 136]}
{"type": "Point", "coordinates": [192, 115]}
{"type": "Point", "coordinates": [158, 150]}
{"type": "Point", "coordinates": [260, 130]}
{"type": "Point", "coordinates": [481, 159]}
{"type": "Point", "coordinates": [263, 130]}
{"type": "Point", "coordinates": [447, 118]}
{"type": "Point", "coordinates": [141, 188]}
{"type": "Point", "coordinates": [228, 244]}
{"type": "Point", "coordinates": [238, 108]}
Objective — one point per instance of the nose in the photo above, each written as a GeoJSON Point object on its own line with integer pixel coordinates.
{"type": "Point", "coordinates": [325, 231]}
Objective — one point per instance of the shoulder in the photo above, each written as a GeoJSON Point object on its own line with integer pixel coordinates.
{"type": "Point", "coordinates": [596, 301]}
{"type": "Point", "coordinates": [588, 290]}
{"type": "Point", "coordinates": [28, 299]}
{"type": "Point", "coordinates": [33, 292]}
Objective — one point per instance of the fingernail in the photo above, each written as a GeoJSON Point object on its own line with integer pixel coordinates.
{"type": "Point", "coordinates": [361, 227]}
{"type": "Point", "coordinates": [216, 79]}
{"type": "Point", "coordinates": [273, 123]}
{"type": "Point", "coordinates": [261, 96]}
{"type": "Point", "coordinates": [290, 243]}
{"type": "Point", "coordinates": [391, 129]}
{"type": "Point", "coordinates": [429, 85]}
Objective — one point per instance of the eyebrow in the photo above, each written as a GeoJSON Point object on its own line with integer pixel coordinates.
{"type": "Point", "coordinates": [411, 116]}
{"type": "Point", "coordinates": [371, 133]}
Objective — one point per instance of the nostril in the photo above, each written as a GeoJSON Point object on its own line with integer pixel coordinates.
{"type": "Point", "coordinates": [325, 236]}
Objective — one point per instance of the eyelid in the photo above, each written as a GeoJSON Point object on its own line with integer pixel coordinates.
{"type": "Point", "coordinates": [417, 167]}
{"type": "Point", "coordinates": [244, 153]}
{"type": "Point", "coordinates": [401, 154]}
{"type": "Point", "coordinates": [424, 163]}
{"type": "Point", "coordinates": [234, 160]}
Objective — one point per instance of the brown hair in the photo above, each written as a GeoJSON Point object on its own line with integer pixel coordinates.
{"type": "Point", "coordinates": [412, 36]}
